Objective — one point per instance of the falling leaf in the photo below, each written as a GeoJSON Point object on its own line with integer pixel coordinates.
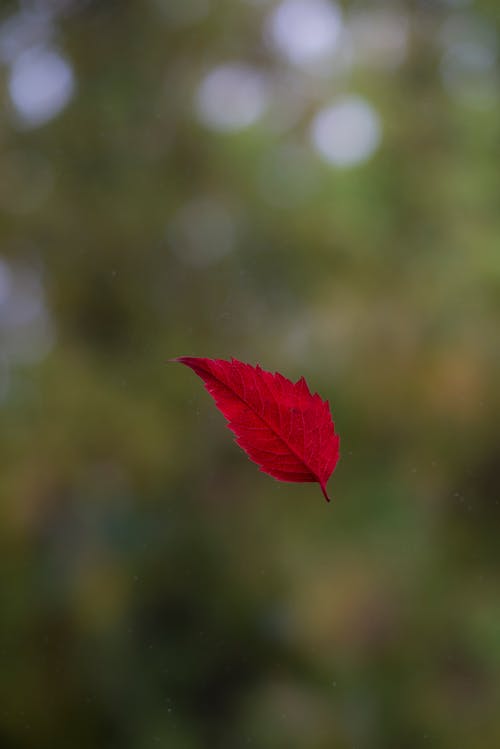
{"type": "Point", "coordinates": [287, 431]}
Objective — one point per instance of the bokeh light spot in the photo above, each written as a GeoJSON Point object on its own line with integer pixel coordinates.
{"type": "Point", "coordinates": [41, 84]}
{"type": "Point", "coordinates": [305, 31]}
{"type": "Point", "coordinates": [346, 133]}
{"type": "Point", "coordinates": [232, 97]}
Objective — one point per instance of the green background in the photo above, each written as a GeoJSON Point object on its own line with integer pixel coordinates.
{"type": "Point", "coordinates": [156, 589]}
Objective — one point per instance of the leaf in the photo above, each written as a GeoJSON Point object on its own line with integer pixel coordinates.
{"type": "Point", "coordinates": [287, 431]}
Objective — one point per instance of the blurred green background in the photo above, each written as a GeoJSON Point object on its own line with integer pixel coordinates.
{"type": "Point", "coordinates": [306, 184]}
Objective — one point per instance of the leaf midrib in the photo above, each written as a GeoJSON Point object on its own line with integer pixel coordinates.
{"type": "Point", "coordinates": [269, 426]}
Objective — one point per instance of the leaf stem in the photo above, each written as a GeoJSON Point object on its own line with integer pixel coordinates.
{"type": "Point", "coordinates": [325, 494]}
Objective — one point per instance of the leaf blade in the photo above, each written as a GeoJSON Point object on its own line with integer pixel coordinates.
{"type": "Point", "coordinates": [285, 430]}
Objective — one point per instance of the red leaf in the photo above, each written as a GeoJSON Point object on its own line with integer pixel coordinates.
{"type": "Point", "coordinates": [287, 431]}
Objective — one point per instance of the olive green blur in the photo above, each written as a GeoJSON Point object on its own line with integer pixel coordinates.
{"type": "Point", "coordinates": [157, 590]}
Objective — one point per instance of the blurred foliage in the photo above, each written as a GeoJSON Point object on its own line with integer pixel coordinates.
{"type": "Point", "coordinates": [157, 590]}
